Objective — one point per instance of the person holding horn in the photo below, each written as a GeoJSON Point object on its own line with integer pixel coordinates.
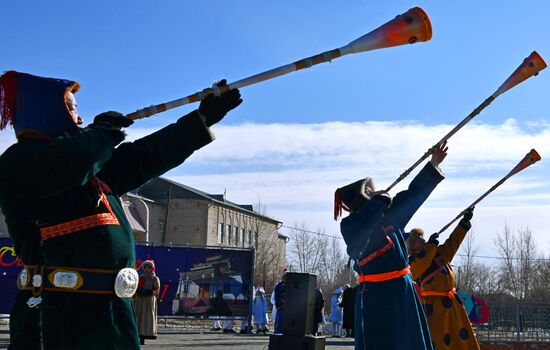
{"type": "Point", "coordinates": [388, 314]}
{"type": "Point", "coordinates": [430, 264]}
{"type": "Point", "coordinates": [59, 191]}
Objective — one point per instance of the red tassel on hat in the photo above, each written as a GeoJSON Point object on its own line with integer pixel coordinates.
{"type": "Point", "coordinates": [337, 204]}
{"type": "Point", "coordinates": [8, 89]}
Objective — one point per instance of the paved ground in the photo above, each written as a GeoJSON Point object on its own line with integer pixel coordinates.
{"type": "Point", "coordinates": [170, 338]}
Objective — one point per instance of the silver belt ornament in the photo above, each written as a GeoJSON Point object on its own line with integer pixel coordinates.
{"type": "Point", "coordinates": [126, 283]}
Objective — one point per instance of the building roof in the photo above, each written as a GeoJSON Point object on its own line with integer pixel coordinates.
{"type": "Point", "coordinates": [135, 220]}
{"type": "Point", "coordinates": [135, 195]}
{"type": "Point", "coordinates": [219, 199]}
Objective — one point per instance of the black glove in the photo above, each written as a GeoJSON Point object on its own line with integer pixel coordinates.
{"type": "Point", "coordinates": [433, 239]}
{"type": "Point", "coordinates": [111, 123]}
{"type": "Point", "coordinates": [468, 214]}
{"type": "Point", "coordinates": [113, 119]}
{"type": "Point", "coordinates": [214, 108]}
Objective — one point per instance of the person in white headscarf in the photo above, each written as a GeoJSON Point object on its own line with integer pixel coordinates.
{"type": "Point", "coordinates": [336, 313]}
{"type": "Point", "coordinates": [259, 311]}
{"type": "Point", "coordinates": [145, 302]}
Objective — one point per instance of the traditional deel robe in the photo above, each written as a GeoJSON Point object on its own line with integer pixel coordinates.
{"type": "Point", "coordinates": [145, 304]}
{"type": "Point", "coordinates": [54, 182]}
{"type": "Point", "coordinates": [318, 310]}
{"type": "Point", "coordinates": [450, 326]}
{"type": "Point", "coordinates": [280, 297]}
{"type": "Point", "coordinates": [348, 305]}
{"type": "Point", "coordinates": [388, 314]}
{"type": "Point", "coordinates": [336, 312]}
{"type": "Point", "coordinates": [259, 310]}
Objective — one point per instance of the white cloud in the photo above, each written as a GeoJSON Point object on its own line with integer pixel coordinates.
{"type": "Point", "coordinates": [295, 168]}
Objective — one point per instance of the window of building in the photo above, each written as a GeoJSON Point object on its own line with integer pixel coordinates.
{"type": "Point", "coordinates": [236, 240]}
{"type": "Point", "coordinates": [241, 241]}
{"type": "Point", "coordinates": [220, 232]}
{"type": "Point", "coordinates": [228, 234]}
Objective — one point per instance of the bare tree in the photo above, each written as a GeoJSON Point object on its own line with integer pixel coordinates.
{"type": "Point", "coordinates": [307, 250]}
{"type": "Point", "coordinates": [474, 277]}
{"type": "Point", "coordinates": [315, 253]}
{"type": "Point", "coordinates": [518, 253]}
{"type": "Point", "coordinates": [334, 272]}
{"type": "Point", "coordinates": [466, 276]}
{"type": "Point", "coordinates": [270, 259]}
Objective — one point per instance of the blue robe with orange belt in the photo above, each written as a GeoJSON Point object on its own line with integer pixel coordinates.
{"type": "Point", "coordinates": [388, 314]}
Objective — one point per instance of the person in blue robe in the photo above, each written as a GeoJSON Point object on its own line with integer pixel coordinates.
{"type": "Point", "coordinates": [388, 313]}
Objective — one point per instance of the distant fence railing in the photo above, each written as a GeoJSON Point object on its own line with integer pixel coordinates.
{"type": "Point", "coordinates": [515, 321]}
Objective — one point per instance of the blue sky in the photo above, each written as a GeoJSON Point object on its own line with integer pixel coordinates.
{"type": "Point", "coordinates": [297, 137]}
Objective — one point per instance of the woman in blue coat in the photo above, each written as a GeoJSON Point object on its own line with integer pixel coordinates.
{"type": "Point", "coordinates": [259, 311]}
{"type": "Point", "coordinates": [336, 312]}
{"type": "Point", "coordinates": [388, 313]}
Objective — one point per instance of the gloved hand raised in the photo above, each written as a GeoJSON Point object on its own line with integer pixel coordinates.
{"type": "Point", "coordinates": [468, 214]}
{"type": "Point", "coordinates": [111, 123]}
{"type": "Point", "coordinates": [214, 108]}
{"type": "Point", "coordinates": [112, 120]}
{"type": "Point", "coordinates": [434, 239]}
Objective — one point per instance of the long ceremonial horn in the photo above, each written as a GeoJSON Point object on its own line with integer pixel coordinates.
{"type": "Point", "coordinates": [531, 66]}
{"type": "Point", "coordinates": [530, 158]}
{"type": "Point", "coordinates": [411, 27]}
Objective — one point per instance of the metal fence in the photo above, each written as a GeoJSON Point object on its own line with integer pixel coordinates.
{"type": "Point", "coordinates": [525, 321]}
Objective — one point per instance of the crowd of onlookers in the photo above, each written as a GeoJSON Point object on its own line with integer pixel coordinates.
{"type": "Point", "coordinates": [339, 318]}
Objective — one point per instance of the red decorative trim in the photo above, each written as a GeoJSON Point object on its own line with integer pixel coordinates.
{"type": "Point", "coordinates": [377, 253]}
{"type": "Point", "coordinates": [101, 186]}
{"type": "Point", "coordinates": [84, 223]}
{"type": "Point", "coordinates": [432, 275]}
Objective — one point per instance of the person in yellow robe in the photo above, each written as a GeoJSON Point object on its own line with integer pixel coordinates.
{"type": "Point", "coordinates": [430, 263]}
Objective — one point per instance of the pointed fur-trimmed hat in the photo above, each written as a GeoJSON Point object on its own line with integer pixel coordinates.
{"type": "Point", "coordinates": [36, 106]}
{"type": "Point", "coordinates": [352, 197]}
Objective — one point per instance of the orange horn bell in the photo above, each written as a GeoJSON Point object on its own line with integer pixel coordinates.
{"type": "Point", "coordinates": [531, 66]}
{"type": "Point", "coordinates": [411, 27]}
{"type": "Point", "coordinates": [530, 158]}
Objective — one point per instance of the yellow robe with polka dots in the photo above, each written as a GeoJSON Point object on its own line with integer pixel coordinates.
{"type": "Point", "coordinates": [450, 327]}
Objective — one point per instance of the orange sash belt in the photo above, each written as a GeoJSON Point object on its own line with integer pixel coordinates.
{"type": "Point", "coordinates": [386, 276]}
{"type": "Point", "coordinates": [429, 293]}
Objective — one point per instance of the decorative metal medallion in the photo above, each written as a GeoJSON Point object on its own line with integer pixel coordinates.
{"type": "Point", "coordinates": [37, 281]}
{"type": "Point", "coordinates": [34, 301]}
{"type": "Point", "coordinates": [24, 277]}
{"type": "Point", "coordinates": [126, 282]}
{"type": "Point", "coordinates": [65, 279]}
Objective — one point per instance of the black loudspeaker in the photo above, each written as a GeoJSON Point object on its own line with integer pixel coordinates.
{"type": "Point", "coordinates": [293, 342]}
{"type": "Point", "coordinates": [299, 303]}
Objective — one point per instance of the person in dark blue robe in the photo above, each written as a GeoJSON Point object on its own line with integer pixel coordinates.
{"type": "Point", "coordinates": [280, 297]}
{"type": "Point", "coordinates": [388, 313]}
